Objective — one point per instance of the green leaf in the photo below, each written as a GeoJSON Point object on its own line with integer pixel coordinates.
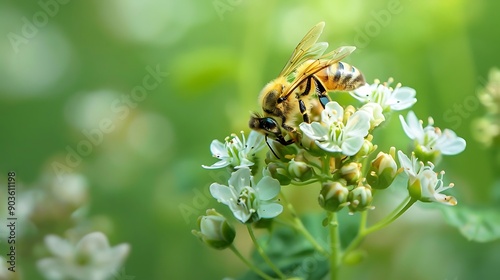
{"type": "Point", "coordinates": [292, 253]}
{"type": "Point", "coordinates": [480, 225]}
{"type": "Point", "coordinates": [295, 255]}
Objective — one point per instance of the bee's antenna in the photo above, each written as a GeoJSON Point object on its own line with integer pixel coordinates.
{"type": "Point", "coordinates": [271, 148]}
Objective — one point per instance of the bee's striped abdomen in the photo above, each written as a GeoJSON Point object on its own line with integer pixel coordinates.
{"type": "Point", "coordinates": [341, 76]}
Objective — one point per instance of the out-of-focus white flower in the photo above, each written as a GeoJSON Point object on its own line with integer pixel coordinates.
{"type": "Point", "coordinates": [235, 152]}
{"type": "Point", "coordinates": [396, 99]}
{"type": "Point", "coordinates": [248, 201]}
{"type": "Point", "coordinates": [90, 258]}
{"type": "Point", "coordinates": [423, 183]}
{"type": "Point", "coordinates": [5, 274]}
{"type": "Point", "coordinates": [335, 134]}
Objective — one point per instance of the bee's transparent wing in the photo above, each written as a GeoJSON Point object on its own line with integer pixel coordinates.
{"type": "Point", "coordinates": [321, 63]}
{"type": "Point", "coordinates": [338, 54]}
{"type": "Point", "coordinates": [308, 48]}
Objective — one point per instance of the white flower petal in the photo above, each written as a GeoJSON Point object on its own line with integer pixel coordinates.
{"type": "Point", "coordinates": [58, 246]}
{"type": "Point", "coordinates": [92, 243]}
{"type": "Point", "coordinates": [332, 113]}
{"type": "Point", "coordinates": [255, 141]}
{"type": "Point", "coordinates": [329, 146]}
{"type": "Point", "coordinates": [221, 163]}
{"type": "Point", "coordinates": [223, 194]}
{"type": "Point", "coordinates": [218, 149]}
{"type": "Point", "coordinates": [240, 213]}
{"type": "Point", "coordinates": [268, 188]}
{"type": "Point", "coordinates": [406, 163]}
{"type": "Point", "coordinates": [357, 125]}
{"type": "Point", "coordinates": [314, 130]}
{"type": "Point", "coordinates": [412, 126]}
{"type": "Point", "coordinates": [450, 144]}
{"type": "Point", "coordinates": [351, 146]}
{"type": "Point", "coordinates": [403, 98]}
{"type": "Point", "coordinates": [240, 179]}
{"type": "Point", "coordinates": [363, 93]}
{"type": "Point", "coordinates": [53, 268]}
{"type": "Point", "coordinates": [245, 163]}
{"type": "Point", "coordinates": [445, 199]}
{"type": "Point", "coordinates": [269, 210]}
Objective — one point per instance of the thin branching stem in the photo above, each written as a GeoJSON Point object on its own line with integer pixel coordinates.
{"type": "Point", "coordinates": [363, 231]}
{"type": "Point", "coordinates": [263, 254]}
{"type": "Point", "coordinates": [298, 225]}
{"type": "Point", "coordinates": [249, 264]}
{"type": "Point", "coordinates": [335, 246]}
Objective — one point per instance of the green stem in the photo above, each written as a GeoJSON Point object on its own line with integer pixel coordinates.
{"type": "Point", "coordinates": [249, 264]}
{"type": "Point", "coordinates": [390, 218]}
{"type": "Point", "coordinates": [298, 225]}
{"type": "Point", "coordinates": [334, 245]}
{"type": "Point", "coordinates": [263, 254]}
{"type": "Point", "coordinates": [396, 213]}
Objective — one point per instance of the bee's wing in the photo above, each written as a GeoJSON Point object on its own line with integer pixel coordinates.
{"type": "Point", "coordinates": [319, 64]}
{"type": "Point", "coordinates": [307, 49]}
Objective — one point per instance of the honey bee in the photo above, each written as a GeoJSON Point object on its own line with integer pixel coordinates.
{"type": "Point", "coordinates": [307, 72]}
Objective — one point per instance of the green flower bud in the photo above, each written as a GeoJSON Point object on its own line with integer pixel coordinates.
{"type": "Point", "coordinates": [215, 231]}
{"type": "Point", "coordinates": [367, 148]}
{"type": "Point", "coordinates": [351, 172]}
{"type": "Point", "coordinates": [360, 199]}
{"type": "Point", "coordinates": [311, 147]}
{"type": "Point", "coordinates": [299, 170]}
{"type": "Point", "coordinates": [279, 172]}
{"type": "Point", "coordinates": [383, 171]}
{"type": "Point", "coordinates": [333, 196]}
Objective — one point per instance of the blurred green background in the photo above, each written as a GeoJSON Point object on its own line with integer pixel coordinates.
{"type": "Point", "coordinates": [80, 62]}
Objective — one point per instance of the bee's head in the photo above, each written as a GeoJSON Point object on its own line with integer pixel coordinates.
{"type": "Point", "coordinates": [265, 125]}
{"type": "Point", "coordinates": [270, 128]}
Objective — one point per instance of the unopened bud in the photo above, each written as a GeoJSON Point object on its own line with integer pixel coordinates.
{"type": "Point", "coordinates": [383, 171]}
{"type": "Point", "coordinates": [215, 231]}
{"type": "Point", "coordinates": [333, 196]}
{"type": "Point", "coordinates": [360, 199]}
{"type": "Point", "coordinates": [277, 171]}
{"type": "Point", "coordinates": [299, 170]}
{"type": "Point", "coordinates": [351, 172]}
{"type": "Point", "coordinates": [367, 147]}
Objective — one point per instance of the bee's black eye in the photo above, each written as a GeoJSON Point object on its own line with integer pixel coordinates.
{"type": "Point", "coordinates": [268, 124]}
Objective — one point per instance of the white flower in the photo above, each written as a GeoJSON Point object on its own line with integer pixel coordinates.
{"type": "Point", "coordinates": [424, 183]}
{"type": "Point", "coordinates": [4, 271]}
{"type": "Point", "coordinates": [235, 152]}
{"type": "Point", "coordinates": [431, 139]}
{"type": "Point", "coordinates": [247, 201]}
{"type": "Point", "coordinates": [337, 135]}
{"type": "Point", "coordinates": [90, 258]}
{"type": "Point", "coordinates": [396, 99]}
{"type": "Point", "coordinates": [374, 110]}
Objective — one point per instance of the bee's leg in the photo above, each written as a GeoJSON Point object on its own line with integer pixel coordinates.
{"type": "Point", "coordinates": [321, 91]}
{"type": "Point", "coordinates": [303, 111]}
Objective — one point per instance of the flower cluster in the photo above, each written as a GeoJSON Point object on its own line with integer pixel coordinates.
{"type": "Point", "coordinates": [338, 151]}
